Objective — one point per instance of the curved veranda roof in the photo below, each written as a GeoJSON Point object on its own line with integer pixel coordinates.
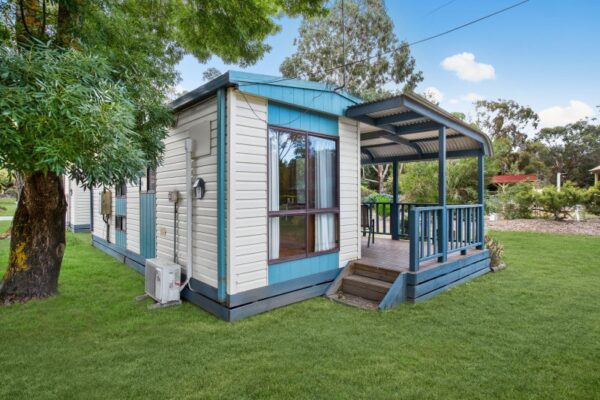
{"type": "Point", "coordinates": [407, 128]}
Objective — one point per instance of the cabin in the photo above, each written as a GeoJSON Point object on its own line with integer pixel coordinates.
{"type": "Point", "coordinates": [79, 214]}
{"type": "Point", "coordinates": [258, 199]}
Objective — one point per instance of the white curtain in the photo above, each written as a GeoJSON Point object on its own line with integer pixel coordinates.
{"type": "Point", "coordinates": [324, 152]}
{"type": "Point", "coordinates": [273, 194]}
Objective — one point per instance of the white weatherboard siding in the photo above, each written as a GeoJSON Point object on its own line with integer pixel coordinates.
{"type": "Point", "coordinates": [171, 176]}
{"type": "Point", "coordinates": [81, 205]}
{"type": "Point", "coordinates": [133, 218]}
{"type": "Point", "coordinates": [99, 224]}
{"type": "Point", "coordinates": [349, 191]}
{"type": "Point", "coordinates": [247, 192]}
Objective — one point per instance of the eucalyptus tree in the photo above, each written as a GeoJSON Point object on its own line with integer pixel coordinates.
{"type": "Point", "coordinates": [83, 90]}
{"type": "Point", "coordinates": [364, 41]}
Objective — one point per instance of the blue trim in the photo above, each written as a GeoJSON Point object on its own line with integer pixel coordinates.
{"type": "Point", "coordinates": [311, 95]}
{"type": "Point", "coordinates": [221, 232]}
{"type": "Point", "coordinates": [442, 169]}
{"type": "Point", "coordinates": [424, 157]}
{"type": "Point", "coordinates": [277, 289]}
{"type": "Point", "coordinates": [394, 220]}
{"type": "Point", "coordinates": [288, 270]}
{"type": "Point", "coordinates": [121, 238]}
{"type": "Point", "coordinates": [148, 224]}
{"type": "Point", "coordinates": [481, 197]}
{"type": "Point", "coordinates": [396, 295]}
{"type": "Point", "coordinates": [121, 206]}
{"type": "Point", "coordinates": [295, 118]}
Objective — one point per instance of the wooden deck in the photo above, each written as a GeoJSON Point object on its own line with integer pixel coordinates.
{"type": "Point", "coordinates": [394, 255]}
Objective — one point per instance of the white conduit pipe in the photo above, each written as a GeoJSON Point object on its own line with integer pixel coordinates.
{"type": "Point", "coordinates": [189, 144]}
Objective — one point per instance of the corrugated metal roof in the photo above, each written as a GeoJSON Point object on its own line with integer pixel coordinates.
{"type": "Point", "coordinates": [407, 128]}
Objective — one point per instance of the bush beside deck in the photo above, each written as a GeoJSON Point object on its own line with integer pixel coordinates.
{"type": "Point", "coordinates": [530, 331]}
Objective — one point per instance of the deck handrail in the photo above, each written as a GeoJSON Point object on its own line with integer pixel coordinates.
{"type": "Point", "coordinates": [380, 212]}
{"type": "Point", "coordinates": [436, 231]}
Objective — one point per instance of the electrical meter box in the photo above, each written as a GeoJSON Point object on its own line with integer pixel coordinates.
{"type": "Point", "coordinates": [106, 202]}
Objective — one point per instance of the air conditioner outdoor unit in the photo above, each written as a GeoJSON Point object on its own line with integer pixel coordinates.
{"type": "Point", "coordinates": [163, 279]}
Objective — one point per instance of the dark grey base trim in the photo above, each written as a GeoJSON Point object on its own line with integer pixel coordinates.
{"type": "Point", "coordinates": [80, 228]}
{"type": "Point", "coordinates": [240, 305]}
{"type": "Point", "coordinates": [128, 257]}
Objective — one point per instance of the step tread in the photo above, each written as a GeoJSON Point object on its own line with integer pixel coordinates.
{"type": "Point", "coordinates": [371, 271]}
{"type": "Point", "coordinates": [354, 301]}
{"type": "Point", "coordinates": [369, 281]}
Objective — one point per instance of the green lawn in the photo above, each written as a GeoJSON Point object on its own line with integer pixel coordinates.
{"type": "Point", "coordinates": [531, 331]}
{"type": "Point", "coordinates": [7, 206]}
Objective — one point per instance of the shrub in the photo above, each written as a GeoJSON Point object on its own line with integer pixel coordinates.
{"type": "Point", "coordinates": [380, 198]}
{"type": "Point", "coordinates": [592, 201]}
{"type": "Point", "coordinates": [496, 253]}
{"type": "Point", "coordinates": [560, 204]}
{"type": "Point", "coordinates": [515, 202]}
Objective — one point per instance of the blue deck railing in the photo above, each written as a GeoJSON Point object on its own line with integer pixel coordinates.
{"type": "Point", "coordinates": [436, 231]}
{"type": "Point", "coordinates": [382, 216]}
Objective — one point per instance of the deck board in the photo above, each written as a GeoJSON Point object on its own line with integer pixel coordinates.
{"type": "Point", "coordinates": [394, 255]}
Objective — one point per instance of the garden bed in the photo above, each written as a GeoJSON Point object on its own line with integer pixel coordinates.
{"type": "Point", "coordinates": [590, 226]}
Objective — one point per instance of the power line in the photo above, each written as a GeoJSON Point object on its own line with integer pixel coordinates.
{"type": "Point", "coordinates": [400, 47]}
{"type": "Point", "coordinates": [440, 7]}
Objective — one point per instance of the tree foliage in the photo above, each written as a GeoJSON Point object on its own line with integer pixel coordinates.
{"type": "Point", "coordinates": [131, 49]}
{"type": "Point", "coordinates": [572, 149]}
{"type": "Point", "coordinates": [506, 119]}
{"type": "Point", "coordinates": [369, 36]}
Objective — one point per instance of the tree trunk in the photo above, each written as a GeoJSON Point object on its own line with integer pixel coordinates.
{"type": "Point", "coordinates": [37, 240]}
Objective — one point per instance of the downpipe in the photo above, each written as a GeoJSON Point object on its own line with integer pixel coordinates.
{"type": "Point", "coordinates": [189, 144]}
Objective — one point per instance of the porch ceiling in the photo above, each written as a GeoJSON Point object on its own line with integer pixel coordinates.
{"type": "Point", "coordinates": [406, 128]}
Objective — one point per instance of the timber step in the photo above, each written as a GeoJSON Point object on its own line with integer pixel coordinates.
{"type": "Point", "coordinates": [365, 287]}
{"type": "Point", "coordinates": [354, 301]}
{"type": "Point", "coordinates": [375, 272]}
{"type": "Point", "coordinates": [362, 285]}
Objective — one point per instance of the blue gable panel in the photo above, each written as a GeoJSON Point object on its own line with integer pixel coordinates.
{"type": "Point", "coordinates": [305, 94]}
{"type": "Point", "coordinates": [290, 117]}
{"type": "Point", "coordinates": [285, 271]}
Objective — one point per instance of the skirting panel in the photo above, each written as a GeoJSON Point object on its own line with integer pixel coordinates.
{"type": "Point", "coordinates": [438, 279]}
{"type": "Point", "coordinates": [240, 305]}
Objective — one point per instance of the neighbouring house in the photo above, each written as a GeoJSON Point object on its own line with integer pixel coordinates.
{"type": "Point", "coordinates": [79, 214]}
{"type": "Point", "coordinates": [596, 172]}
{"type": "Point", "coordinates": [501, 182]}
{"type": "Point", "coordinates": [267, 172]}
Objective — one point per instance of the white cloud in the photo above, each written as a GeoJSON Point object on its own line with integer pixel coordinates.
{"type": "Point", "coordinates": [433, 94]}
{"type": "Point", "coordinates": [472, 97]}
{"type": "Point", "coordinates": [467, 68]}
{"type": "Point", "coordinates": [454, 101]}
{"type": "Point", "coordinates": [555, 116]}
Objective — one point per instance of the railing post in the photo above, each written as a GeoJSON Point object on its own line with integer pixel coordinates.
{"type": "Point", "coordinates": [481, 197]}
{"type": "Point", "coordinates": [394, 207]}
{"type": "Point", "coordinates": [413, 237]}
{"type": "Point", "coordinates": [442, 195]}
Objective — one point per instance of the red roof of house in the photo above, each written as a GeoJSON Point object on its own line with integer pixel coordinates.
{"type": "Point", "coordinates": [513, 178]}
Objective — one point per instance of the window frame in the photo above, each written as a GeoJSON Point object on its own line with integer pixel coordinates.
{"type": "Point", "coordinates": [121, 190]}
{"type": "Point", "coordinates": [306, 211]}
{"type": "Point", "coordinates": [145, 181]}
{"type": "Point", "coordinates": [121, 223]}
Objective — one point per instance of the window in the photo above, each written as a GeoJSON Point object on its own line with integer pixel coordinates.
{"type": "Point", "coordinates": [121, 223]}
{"type": "Point", "coordinates": [148, 181]}
{"type": "Point", "coordinates": [121, 190]}
{"type": "Point", "coordinates": [303, 194]}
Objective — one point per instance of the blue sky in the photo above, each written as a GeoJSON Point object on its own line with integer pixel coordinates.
{"type": "Point", "coordinates": [544, 54]}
